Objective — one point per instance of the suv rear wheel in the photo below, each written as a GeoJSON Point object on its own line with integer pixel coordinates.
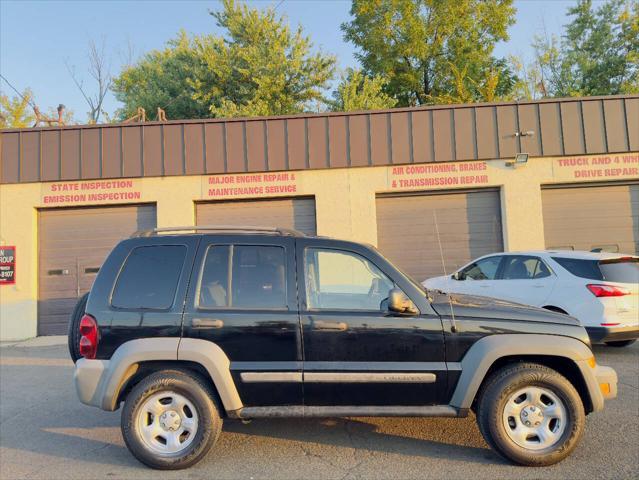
{"type": "Point", "coordinates": [170, 420]}
{"type": "Point", "coordinates": [531, 414]}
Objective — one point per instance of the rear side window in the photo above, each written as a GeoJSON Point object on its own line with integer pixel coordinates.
{"type": "Point", "coordinates": [581, 268]}
{"type": "Point", "coordinates": [243, 276]}
{"type": "Point", "coordinates": [520, 267]}
{"type": "Point", "coordinates": [149, 277]}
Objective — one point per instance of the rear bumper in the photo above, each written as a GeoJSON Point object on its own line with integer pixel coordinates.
{"type": "Point", "coordinates": [89, 378]}
{"type": "Point", "coordinates": [612, 334]}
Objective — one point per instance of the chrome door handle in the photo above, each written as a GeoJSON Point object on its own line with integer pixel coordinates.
{"type": "Point", "coordinates": [207, 323]}
{"type": "Point", "coordinates": [335, 326]}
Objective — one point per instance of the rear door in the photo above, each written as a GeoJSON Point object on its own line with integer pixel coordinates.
{"type": "Point", "coordinates": [243, 297]}
{"type": "Point", "coordinates": [524, 279]}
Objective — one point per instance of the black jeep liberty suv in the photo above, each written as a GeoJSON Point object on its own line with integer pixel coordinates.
{"type": "Point", "coordinates": [187, 326]}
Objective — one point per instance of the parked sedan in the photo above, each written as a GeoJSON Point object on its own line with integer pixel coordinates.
{"type": "Point", "coordinates": [600, 289]}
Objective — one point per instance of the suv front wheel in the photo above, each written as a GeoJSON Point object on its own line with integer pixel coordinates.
{"type": "Point", "coordinates": [531, 414]}
{"type": "Point", "coordinates": [170, 420]}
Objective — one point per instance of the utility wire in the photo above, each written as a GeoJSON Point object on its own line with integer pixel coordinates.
{"type": "Point", "coordinates": [30, 102]}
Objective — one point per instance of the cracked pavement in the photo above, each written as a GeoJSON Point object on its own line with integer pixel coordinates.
{"type": "Point", "coordinates": [46, 433]}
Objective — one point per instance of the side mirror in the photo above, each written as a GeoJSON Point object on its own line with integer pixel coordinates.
{"type": "Point", "coordinates": [398, 302]}
{"type": "Point", "coordinates": [458, 276]}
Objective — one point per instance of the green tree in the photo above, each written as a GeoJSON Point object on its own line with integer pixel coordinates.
{"type": "Point", "coordinates": [598, 54]}
{"type": "Point", "coordinates": [357, 91]}
{"type": "Point", "coordinates": [529, 84]}
{"type": "Point", "coordinates": [433, 51]}
{"type": "Point", "coordinates": [16, 112]}
{"type": "Point", "coordinates": [162, 78]}
{"type": "Point", "coordinates": [258, 67]}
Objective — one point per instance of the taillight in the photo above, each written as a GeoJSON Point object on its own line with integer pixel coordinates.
{"type": "Point", "coordinates": [90, 337]}
{"type": "Point", "coordinates": [607, 290]}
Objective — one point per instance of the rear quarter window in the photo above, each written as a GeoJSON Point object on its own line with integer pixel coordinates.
{"type": "Point", "coordinates": [625, 271]}
{"type": "Point", "coordinates": [149, 278]}
{"type": "Point", "coordinates": [581, 268]}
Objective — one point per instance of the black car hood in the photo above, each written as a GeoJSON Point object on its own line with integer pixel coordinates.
{"type": "Point", "coordinates": [471, 306]}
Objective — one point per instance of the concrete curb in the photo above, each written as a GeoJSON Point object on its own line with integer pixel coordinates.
{"type": "Point", "coordinates": [48, 341]}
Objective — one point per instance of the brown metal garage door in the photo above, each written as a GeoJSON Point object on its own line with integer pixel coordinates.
{"type": "Point", "coordinates": [469, 226]}
{"type": "Point", "coordinates": [297, 213]}
{"type": "Point", "coordinates": [589, 217]}
{"type": "Point", "coordinates": [73, 243]}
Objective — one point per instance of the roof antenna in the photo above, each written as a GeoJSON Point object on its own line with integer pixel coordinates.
{"type": "Point", "coordinates": [453, 323]}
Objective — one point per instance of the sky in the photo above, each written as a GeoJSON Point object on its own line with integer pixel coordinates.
{"type": "Point", "coordinates": [38, 38]}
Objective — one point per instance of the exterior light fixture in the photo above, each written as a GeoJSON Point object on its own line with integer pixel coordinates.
{"type": "Point", "coordinates": [520, 159]}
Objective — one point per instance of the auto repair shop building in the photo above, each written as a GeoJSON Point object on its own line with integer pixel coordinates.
{"type": "Point", "coordinates": [384, 177]}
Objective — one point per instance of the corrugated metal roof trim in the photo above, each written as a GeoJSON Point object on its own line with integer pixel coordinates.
{"type": "Point", "coordinates": [573, 126]}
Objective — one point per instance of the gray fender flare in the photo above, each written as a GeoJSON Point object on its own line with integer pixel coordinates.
{"type": "Point", "coordinates": [487, 350]}
{"type": "Point", "coordinates": [125, 362]}
{"type": "Point", "coordinates": [217, 364]}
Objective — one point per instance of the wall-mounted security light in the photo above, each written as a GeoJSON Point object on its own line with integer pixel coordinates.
{"type": "Point", "coordinates": [527, 133]}
{"type": "Point", "coordinates": [520, 159]}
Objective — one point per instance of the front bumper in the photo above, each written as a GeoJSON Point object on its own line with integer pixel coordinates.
{"type": "Point", "coordinates": [607, 381]}
{"type": "Point", "coordinates": [612, 334]}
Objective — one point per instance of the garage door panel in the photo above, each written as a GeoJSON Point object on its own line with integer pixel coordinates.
{"type": "Point", "coordinates": [296, 213]}
{"type": "Point", "coordinates": [74, 240]}
{"type": "Point", "coordinates": [57, 306]}
{"type": "Point", "coordinates": [66, 283]}
{"type": "Point", "coordinates": [587, 217]}
{"type": "Point", "coordinates": [469, 225]}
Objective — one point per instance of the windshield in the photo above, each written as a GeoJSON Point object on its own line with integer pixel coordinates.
{"type": "Point", "coordinates": [622, 271]}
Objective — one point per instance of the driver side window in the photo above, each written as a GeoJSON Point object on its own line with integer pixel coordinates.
{"type": "Point", "coordinates": [340, 280]}
{"type": "Point", "coordinates": [484, 269]}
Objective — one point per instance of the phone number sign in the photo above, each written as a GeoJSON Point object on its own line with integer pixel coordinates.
{"type": "Point", "coordinates": [7, 265]}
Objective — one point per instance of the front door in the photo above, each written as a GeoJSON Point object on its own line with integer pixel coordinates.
{"type": "Point", "coordinates": [356, 352]}
{"type": "Point", "coordinates": [243, 297]}
{"type": "Point", "coordinates": [478, 278]}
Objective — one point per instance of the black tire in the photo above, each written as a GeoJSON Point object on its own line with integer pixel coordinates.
{"type": "Point", "coordinates": [621, 343]}
{"type": "Point", "coordinates": [198, 392]}
{"type": "Point", "coordinates": [73, 332]}
{"type": "Point", "coordinates": [506, 382]}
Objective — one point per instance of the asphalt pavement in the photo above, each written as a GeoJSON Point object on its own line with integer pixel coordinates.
{"type": "Point", "coordinates": [46, 433]}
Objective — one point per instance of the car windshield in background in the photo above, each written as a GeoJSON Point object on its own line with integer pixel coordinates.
{"type": "Point", "coordinates": [622, 271]}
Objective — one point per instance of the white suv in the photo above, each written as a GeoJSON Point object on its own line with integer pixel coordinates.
{"type": "Point", "coordinates": [601, 290]}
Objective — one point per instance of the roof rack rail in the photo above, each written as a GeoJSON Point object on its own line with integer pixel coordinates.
{"type": "Point", "coordinates": [219, 228]}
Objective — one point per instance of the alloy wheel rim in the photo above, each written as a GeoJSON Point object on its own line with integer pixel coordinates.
{"type": "Point", "coordinates": [534, 418]}
{"type": "Point", "coordinates": [167, 422]}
